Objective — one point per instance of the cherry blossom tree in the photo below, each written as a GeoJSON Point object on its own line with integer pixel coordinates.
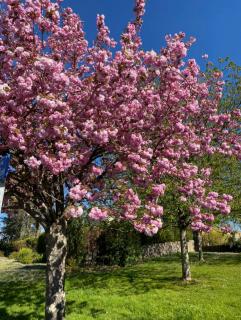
{"type": "Point", "coordinates": [225, 170]}
{"type": "Point", "coordinates": [73, 115]}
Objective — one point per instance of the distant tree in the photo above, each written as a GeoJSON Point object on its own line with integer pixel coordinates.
{"type": "Point", "coordinates": [226, 171]}
{"type": "Point", "coordinates": [231, 175]}
{"type": "Point", "coordinates": [17, 226]}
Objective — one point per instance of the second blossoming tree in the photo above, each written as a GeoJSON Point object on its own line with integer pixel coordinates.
{"type": "Point", "coordinates": [73, 114]}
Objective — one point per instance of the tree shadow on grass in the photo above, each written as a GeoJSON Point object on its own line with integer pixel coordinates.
{"type": "Point", "coordinates": [17, 296]}
{"type": "Point", "coordinates": [128, 281]}
{"type": "Point", "coordinates": [160, 273]}
{"type": "Point", "coordinates": [22, 292]}
{"type": "Point", "coordinates": [222, 258]}
{"type": "Point", "coordinates": [73, 306]}
{"type": "Point", "coordinates": [4, 315]}
{"type": "Point", "coordinates": [31, 267]}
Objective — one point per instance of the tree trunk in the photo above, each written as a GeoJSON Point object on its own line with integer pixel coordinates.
{"type": "Point", "coordinates": [197, 237]}
{"type": "Point", "coordinates": [194, 234]}
{"type": "Point", "coordinates": [186, 272]}
{"type": "Point", "coordinates": [56, 250]}
{"type": "Point", "coordinates": [37, 229]}
{"type": "Point", "coordinates": [200, 246]}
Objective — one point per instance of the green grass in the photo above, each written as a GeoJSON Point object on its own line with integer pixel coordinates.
{"type": "Point", "coordinates": [151, 290]}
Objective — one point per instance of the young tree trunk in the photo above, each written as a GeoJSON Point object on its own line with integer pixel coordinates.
{"type": "Point", "coordinates": [194, 234]}
{"type": "Point", "coordinates": [186, 272]}
{"type": "Point", "coordinates": [197, 237]}
{"type": "Point", "coordinates": [37, 229]}
{"type": "Point", "coordinates": [200, 246]}
{"type": "Point", "coordinates": [56, 250]}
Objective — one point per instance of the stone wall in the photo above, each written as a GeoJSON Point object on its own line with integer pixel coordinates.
{"type": "Point", "coordinates": [162, 249]}
{"type": "Point", "coordinates": [148, 251]}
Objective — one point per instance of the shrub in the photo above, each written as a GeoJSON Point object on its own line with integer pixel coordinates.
{"type": "Point", "coordinates": [113, 244]}
{"type": "Point", "coordinates": [17, 245]}
{"type": "Point", "coordinates": [236, 245]}
{"type": "Point", "coordinates": [71, 264]}
{"type": "Point", "coordinates": [41, 246]}
{"type": "Point", "coordinates": [6, 247]}
{"type": "Point", "coordinates": [1, 254]}
{"type": "Point", "coordinates": [215, 238]}
{"type": "Point", "coordinates": [82, 239]}
{"type": "Point", "coordinates": [25, 256]}
{"type": "Point", "coordinates": [31, 242]}
{"type": "Point", "coordinates": [118, 245]}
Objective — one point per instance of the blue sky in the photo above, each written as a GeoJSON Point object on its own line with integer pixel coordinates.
{"type": "Point", "coordinates": [215, 23]}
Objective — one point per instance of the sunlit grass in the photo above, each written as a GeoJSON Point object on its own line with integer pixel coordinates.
{"type": "Point", "coordinates": [152, 290]}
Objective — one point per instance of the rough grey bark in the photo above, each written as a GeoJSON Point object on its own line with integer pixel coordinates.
{"type": "Point", "coordinates": [186, 271]}
{"type": "Point", "coordinates": [56, 250]}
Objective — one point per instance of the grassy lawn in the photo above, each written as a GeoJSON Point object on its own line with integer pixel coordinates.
{"type": "Point", "coordinates": [151, 290]}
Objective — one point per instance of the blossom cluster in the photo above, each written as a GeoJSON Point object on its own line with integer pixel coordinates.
{"type": "Point", "coordinates": [98, 214]}
{"type": "Point", "coordinates": [73, 212]}
{"type": "Point", "coordinates": [77, 192]}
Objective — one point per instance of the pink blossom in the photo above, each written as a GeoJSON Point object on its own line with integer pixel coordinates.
{"type": "Point", "coordinates": [97, 170]}
{"type": "Point", "coordinates": [227, 197]}
{"type": "Point", "coordinates": [195, 211]}
{"type": "Point", "coordinates": [73, 212]}
{"type": "Point", "coordinates": [32, 162]}
{"type": "Point", "coordinates": [77, 192]}
{"type": "Point", "coordinates": [158, 189]}
{"type": "Point", "coordinates": [183, 199]}
{"type": "Point", "coordinates": [155, 210]}
{"type": "Point", "coordinates": [148, 226]}
{"type": "Point", "coordinates": [98, 214]}
{"type": "Point", "coordinates": [133, 197]}
{"type": "Point", "coordinates": [213, 194]}
{"type": "Point", "coordinates": [226, 229]}
{"type": "Point", "coordinates": [200, 226]}
{"type": "Point", "coordinates": [119, 167]}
